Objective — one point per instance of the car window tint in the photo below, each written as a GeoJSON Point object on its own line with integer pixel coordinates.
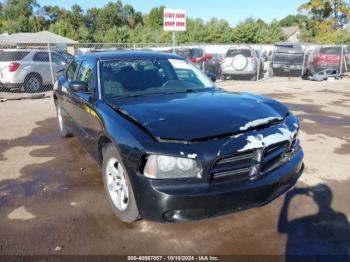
{"type": "Point", "coordinates": [289, 48]}
{"type": "Point", "coordinates": [235, 52]}
{"type": "Point", "coordinates": [7, 56]}
{"type": "Point", "coordinates": [330, 50]}
{"type": "Point", "coordinates": [57, 58]}
{"type": "Point", "coordinates": [41, 57]}
{"type": "Point", "coordinates": [71, 70]}
{"type": "Point", "coordinates": [146, 76]}
{"type": "Point", "coordinates": [86, 73]}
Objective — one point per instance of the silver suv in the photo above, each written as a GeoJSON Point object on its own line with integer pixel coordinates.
{"type": "Point", "coordinates": [242, 61]}
{"type": "Point", "coordinates": [29, 70]}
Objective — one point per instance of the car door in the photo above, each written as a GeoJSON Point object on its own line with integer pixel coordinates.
{"type": "Point", "coordinates": [41, 65]}
{"type": "Point", "coordinates": [83, 108]}
{"type": "Point", "coordinates": [67, 106]}
{"type": "Point", "coordinates": [59, 64]}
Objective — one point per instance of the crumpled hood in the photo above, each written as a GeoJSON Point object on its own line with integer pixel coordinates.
{"type": "Point", "coordinates": [201, 115]}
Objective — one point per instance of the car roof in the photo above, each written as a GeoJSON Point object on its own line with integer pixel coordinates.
{"type": "Point", "coordinates": [110, 55]}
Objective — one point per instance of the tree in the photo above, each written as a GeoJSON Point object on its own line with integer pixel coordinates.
{"type": "Point", "coordinates": [155, 17]}
{"type": "Point", "coordinates": [320, 10]}
{"type": "Point", "coordinates": [293, 20]}
{"type": "Point", "coordinates": [16, 15]}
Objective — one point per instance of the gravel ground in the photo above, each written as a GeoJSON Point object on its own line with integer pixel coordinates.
{"type": "Point", "coordinates": [52, 199]}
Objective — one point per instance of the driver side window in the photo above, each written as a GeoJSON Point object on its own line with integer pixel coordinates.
{"type": "Point", "coordinates": [86, 73]}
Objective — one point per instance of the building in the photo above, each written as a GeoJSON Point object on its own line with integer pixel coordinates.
{"type": "Point", "coordinates": [291, 33]}
{"type": "Point", "coordinates": [39, 40]}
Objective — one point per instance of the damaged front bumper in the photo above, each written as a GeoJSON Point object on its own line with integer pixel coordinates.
{"type": "Point", "coordinates": [164, 202]}
{"type": "Point", "coordinates": [179, 200]}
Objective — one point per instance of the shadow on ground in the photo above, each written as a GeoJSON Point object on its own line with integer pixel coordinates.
{"type": "Point", "coordinates": [58, 206]}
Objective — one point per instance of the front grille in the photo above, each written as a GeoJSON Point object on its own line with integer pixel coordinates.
{"type": "Point", "coordinates": [249, 164]}
{"type": "Point", "coordinates": [273, 154]}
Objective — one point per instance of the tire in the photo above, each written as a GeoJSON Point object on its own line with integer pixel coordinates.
{"type": "Point", "coordinates": [33, 83]}
{"type": "Point", "coordinates": [118, 187]}
{"type": "Point", "coordinates": [253, 78]}
{"type": "Point", "coordinates": [62, 128]}
{"type": "Point", "coordinates": [276, 72]}
{"type": "Point", "coordinates": [223, 77]}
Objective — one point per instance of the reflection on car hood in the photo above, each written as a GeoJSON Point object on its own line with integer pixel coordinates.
{"type": "Point", "coordinates": [201, 115]}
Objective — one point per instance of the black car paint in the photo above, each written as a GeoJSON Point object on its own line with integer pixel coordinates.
{"type": "Point", "coordinates": [136, 127]}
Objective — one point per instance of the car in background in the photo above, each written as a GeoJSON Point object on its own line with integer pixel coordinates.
{"type": "Point", "coordinates": [29, 70]}
{"type": "Point", "coordinates": [173, 147]}
{"type": "Point", "coordinates": [242, 61]}
{"type": "Point", "coordinates": [327, 57]}
{"type": "Point", "coordinates": [288, 58]}
{"type": "Point", "coordinates": [66, 55]}
{"type": "Point", "coordinates": [206, 62]}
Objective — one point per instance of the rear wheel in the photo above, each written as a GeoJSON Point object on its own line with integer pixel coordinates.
{"type": "Point", "coordinates": [33, 83]}
{"type": "Point", "coordinates": [118, 187]}
{"type": "Point", "coordinates": [223, 77]}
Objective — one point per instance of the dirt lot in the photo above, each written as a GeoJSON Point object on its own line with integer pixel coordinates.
{"type": "Point", "coordinates": [52, 199]}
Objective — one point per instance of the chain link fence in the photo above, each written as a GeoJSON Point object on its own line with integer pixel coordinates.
{"type": "Point", "coordinates": [32, 68]}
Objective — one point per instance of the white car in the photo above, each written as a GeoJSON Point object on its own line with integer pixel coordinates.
{"type": "Point", "coordinates": [28, 69]}
{"type": "Point", "coordinates": [242, 61]}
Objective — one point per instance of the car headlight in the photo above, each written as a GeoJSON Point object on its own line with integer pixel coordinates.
{"type": "Point", "coordinates": [162, 167]}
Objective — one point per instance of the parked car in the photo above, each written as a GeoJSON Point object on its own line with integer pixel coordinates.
{"type": "Point", "coordinates": [172, 146]}
{"type": "Point", "coordinates": [347, 58]}
{"type": "Point", "coordinates": [326, 57]}
{"type": "Point", "coordinates": [28, 69]}
{"type": "Point", "coordinates": [288, 58]}
{"type": "Point", "coordinates": [242, 61]}
{"type": "Point", "coordinates": [204, 61]}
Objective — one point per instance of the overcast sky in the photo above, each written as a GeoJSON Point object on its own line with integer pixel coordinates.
{"type": "Point", "coordinates": [231, 10]}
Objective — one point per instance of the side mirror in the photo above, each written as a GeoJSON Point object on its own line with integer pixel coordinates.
{"type": "Point", "coordinates": [212, 77]}
{"type": "Point", "coordinates": [79, 86]}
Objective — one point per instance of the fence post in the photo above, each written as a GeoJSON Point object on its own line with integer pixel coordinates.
{"type": "Point", "coordinates": [203, 64]}
{"type": "Point", "coordinates": [259, 61]}
{"type": "Point", "coordinates": [341, 60]}
{"type": "Point", "coordinates": [50, 60]}
{"type": "Point", "coordinates": [304, 60]}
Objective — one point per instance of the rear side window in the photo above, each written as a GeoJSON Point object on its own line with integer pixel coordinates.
{"type": "Point", "coordinates": [7, 56]}
{"type": "Point", "coordinates": [71, 70]}
{"type": "Point", "coordinates": [58, 58]}
{"type": "Point", "coordinates": [330, 50]}
{"type": "Point", "coordinates": [235, 52]}
{"type": "Point", "coordinates": [41, 57]}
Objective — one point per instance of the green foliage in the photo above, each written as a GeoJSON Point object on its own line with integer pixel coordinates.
{"type": "Point", "coordinates": [326, 20]}
{"type": "Point", "coordinates": [322, 22]}
{"type": "Point", "coordinates": [155, 18]}
{"type": "Point", "coordinates": [257, 31]}
{"type": "Point", "coordinates": [293, 20]}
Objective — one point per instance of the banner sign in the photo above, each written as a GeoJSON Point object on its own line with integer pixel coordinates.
{"type": "Point", "coordinates": [174, 20]}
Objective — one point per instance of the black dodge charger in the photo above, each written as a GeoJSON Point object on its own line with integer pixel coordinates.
{"type": "Point", "coordinates": [171, 145]}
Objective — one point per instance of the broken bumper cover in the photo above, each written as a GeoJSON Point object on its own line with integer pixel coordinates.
{"type": "Point", "coordinates": [163, 201]}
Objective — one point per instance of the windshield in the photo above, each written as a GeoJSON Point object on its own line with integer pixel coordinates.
{"type": "Point", "coordinates": [123, 78]}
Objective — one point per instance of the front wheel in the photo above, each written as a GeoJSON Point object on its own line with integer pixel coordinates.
{"type": "Point", "coordinates": [117, 186]}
